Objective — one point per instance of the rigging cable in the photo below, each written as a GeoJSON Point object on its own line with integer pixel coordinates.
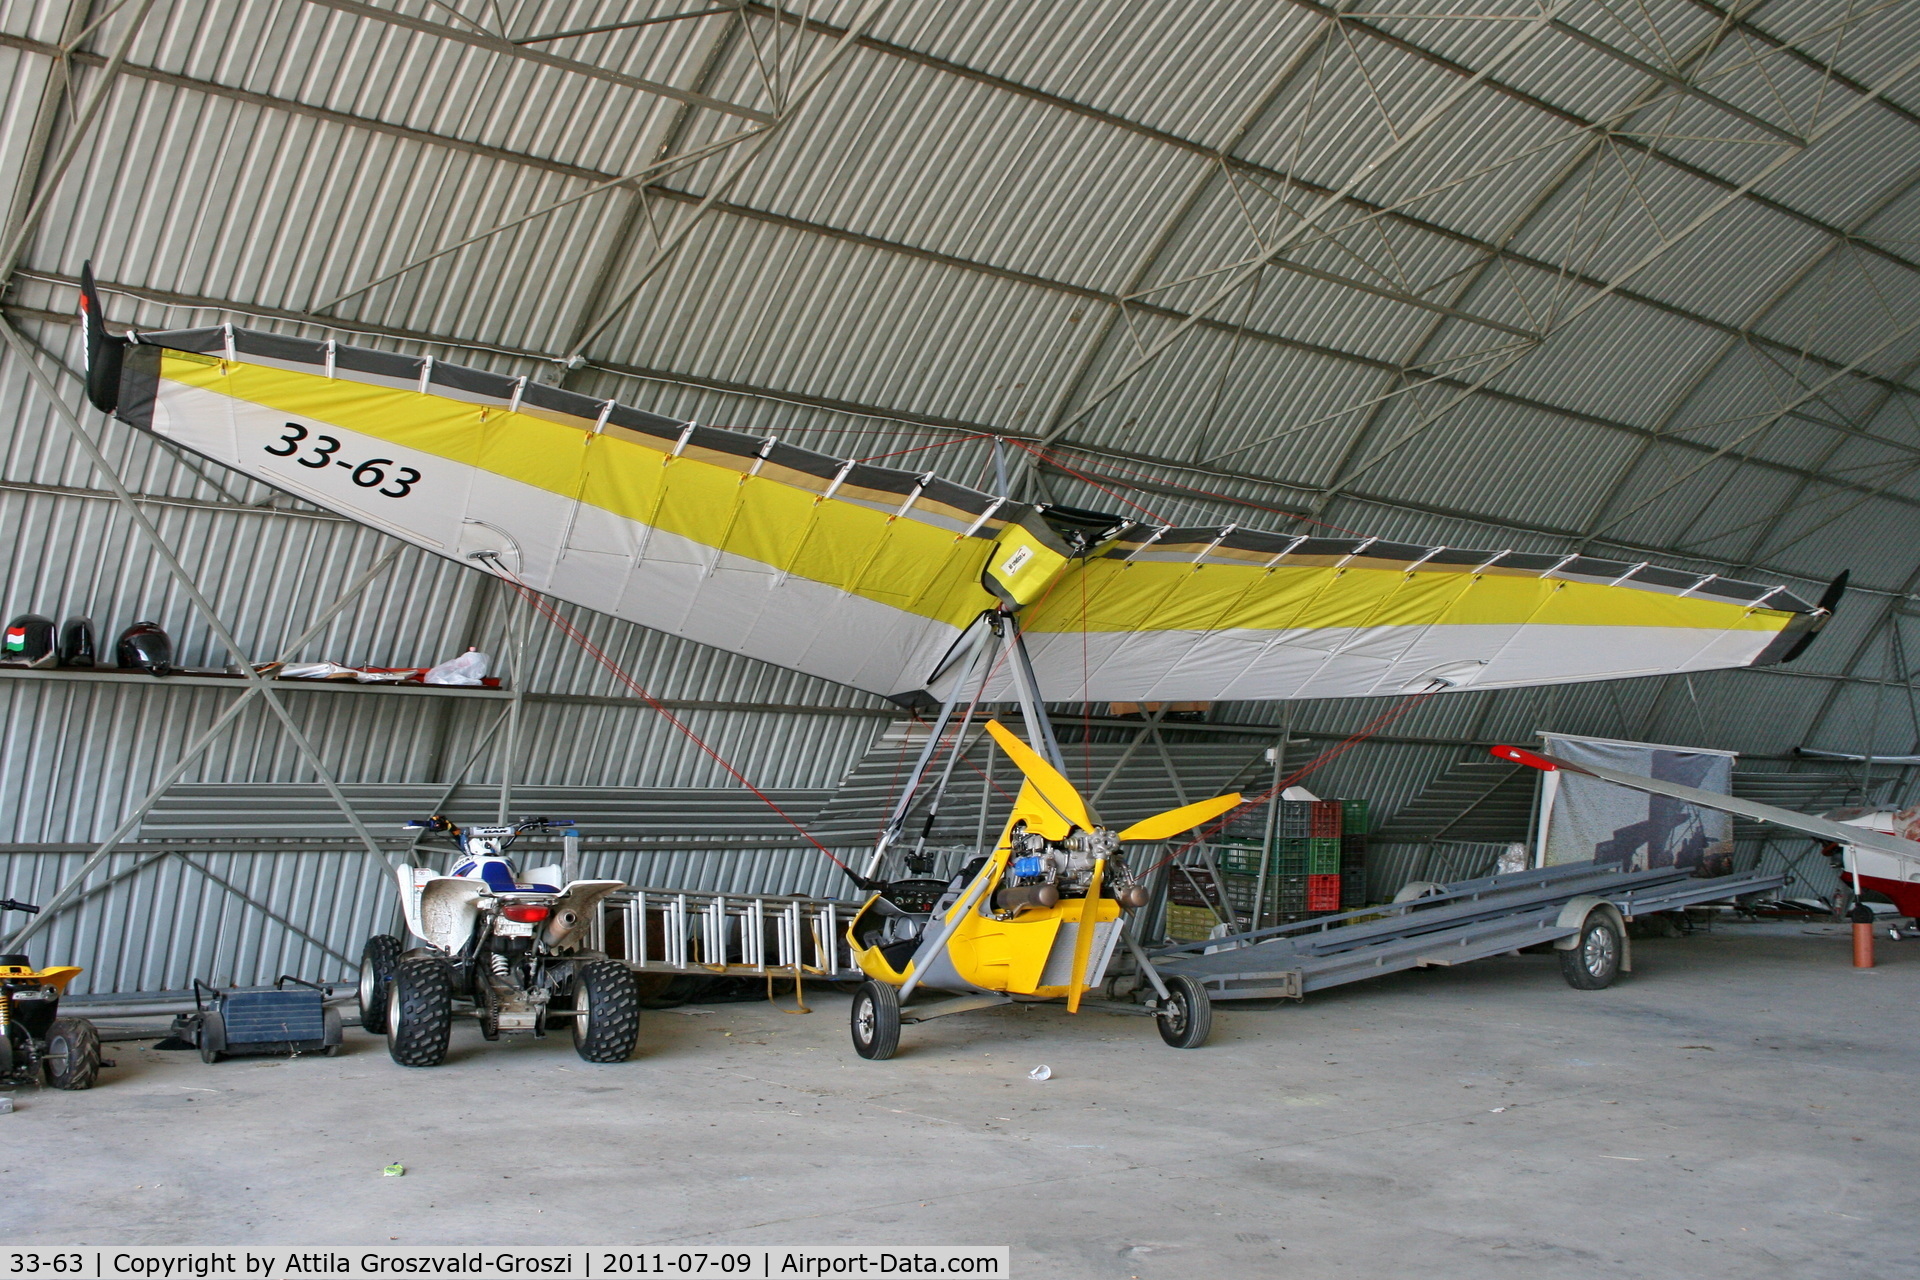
{"type": "Point", "coordinates": [594, 651]}
{"type": "Point", "coordinates": [1333, 752]}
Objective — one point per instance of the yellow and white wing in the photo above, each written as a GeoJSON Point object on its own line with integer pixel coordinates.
{"type": "Point", "coordinates": [1215, 614]}
{"type": "Point", "coordinates": [861, 574]}
{"type": "Point", "coordinates": [868, 575]}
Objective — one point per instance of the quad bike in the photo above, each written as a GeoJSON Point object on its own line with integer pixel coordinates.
{"type": "Point", "coordinates": [507, 951]}
{"type": "Point", "coordinates": [35, 1041]}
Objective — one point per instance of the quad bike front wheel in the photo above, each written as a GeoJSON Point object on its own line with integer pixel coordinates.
{"type": "Point", "coordinates": [377, 963]}
{"type": "Point", "coordinates": [73, 1053]}
{"type": "Point", "coordinates": [420, 1012]}
{"type": "Point", "coordinates": [606, 1011]}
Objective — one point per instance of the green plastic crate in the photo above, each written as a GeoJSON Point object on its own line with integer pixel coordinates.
{"type": "Point", "coordinates": [1323, 856]}
{"type": "Point", "coordinates": [1353, 821]}
{"type": "Point", "coordinates": [1238, 859]}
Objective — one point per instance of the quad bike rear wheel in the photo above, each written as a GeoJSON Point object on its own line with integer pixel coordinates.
{"type": "Point", "coordinates": [377, 963]}
{"type": "Point", "coordinates": [420, 1012]}
{"type": "Point", "coordinates": [606, 1011]}
{"type": "Point", "coordinates": [73, 1053]}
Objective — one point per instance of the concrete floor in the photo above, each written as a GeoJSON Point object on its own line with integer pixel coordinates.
{"type": "Point", "coordinates": [1737, 1106]}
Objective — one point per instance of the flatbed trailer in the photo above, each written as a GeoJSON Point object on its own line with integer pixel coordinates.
{"type": "Point", "coordinates": [1580, 909]}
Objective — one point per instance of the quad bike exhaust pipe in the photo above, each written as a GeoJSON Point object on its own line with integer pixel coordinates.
{"type": "Point", "coordinates": [560, 924]}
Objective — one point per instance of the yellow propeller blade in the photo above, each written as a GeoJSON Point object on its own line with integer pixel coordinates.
{"type": "Point", "coordinates": [1171, 823]}
{"type": "Point", "coordinates": [1045, 779]}
{"type": "Point", "coordinates": [1083, 936]}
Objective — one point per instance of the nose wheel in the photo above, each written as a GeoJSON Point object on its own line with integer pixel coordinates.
{"type": "Point", "coordinates": [876, 1021]}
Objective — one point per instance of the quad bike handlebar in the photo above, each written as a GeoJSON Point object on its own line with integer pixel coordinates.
{"type": "Point", "coordinates": [439, 822]}
{"type": "Point", "coordinates": [8, 904]}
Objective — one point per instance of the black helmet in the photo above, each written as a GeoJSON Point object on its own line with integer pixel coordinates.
{"type": "Point", "coordinates": [30, 639]}
{"type": "Point", "coordinates": [76, 643]}
{"type": "Point", "coordinates": [145, 647]}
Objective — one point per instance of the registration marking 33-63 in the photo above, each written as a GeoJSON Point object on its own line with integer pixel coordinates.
{"type": "Point", "coordinates": [318, 454]}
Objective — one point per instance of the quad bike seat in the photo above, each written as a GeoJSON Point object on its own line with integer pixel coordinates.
{"type": "Point", "coordinates": [15, 962]}
{"type": "Point", "coordinates": [500, 878]}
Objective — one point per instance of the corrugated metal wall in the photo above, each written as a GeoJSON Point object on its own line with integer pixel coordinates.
{"type": "Point", "coordinates": [1581, 310]}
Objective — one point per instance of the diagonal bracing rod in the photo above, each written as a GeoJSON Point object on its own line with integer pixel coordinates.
{"type": "Point", "coordinates": [256, 684]}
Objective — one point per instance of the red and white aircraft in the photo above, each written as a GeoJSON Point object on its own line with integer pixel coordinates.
{"type": "Point", "coordinates": [1879, 851]}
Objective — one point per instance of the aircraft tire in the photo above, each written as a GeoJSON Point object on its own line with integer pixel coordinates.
{"type": "Point", "coordinates": [875, 1021]}
{"type": "Point", "coordinates": [606, 1011]}
{"type": "Point", "coordinates": [420, 1012]}
{"type": "Point", "coordinates": [377, 962]}
{"type": "Point", "coordinates": [1186, 1019]}
{"type": "Point", "coordinates": [73, 1053]}
{"type": "Point", "coordinates": [1593, 962]}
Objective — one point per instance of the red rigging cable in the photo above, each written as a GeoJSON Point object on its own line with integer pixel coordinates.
{"type": "Point", "coordinates": [1086, 479]}
{"type": "Point", "coordinates": [594, 651]}
{"type": "Point", "coordinates": [1332, 753]}
{"type": "Point", "coordinates": [920, 448]}
{"type": "Point", "coordinates": [1194, 489]}
{"type": "Point", "coordinates": [573, 633]}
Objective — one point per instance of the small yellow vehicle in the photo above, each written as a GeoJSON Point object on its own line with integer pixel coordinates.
{"type": "Point", "coordinates": [1038, 919]}
{"type": "Point", "coordinates": [35, 1041]}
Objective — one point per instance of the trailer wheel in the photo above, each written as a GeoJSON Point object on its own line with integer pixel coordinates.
{"type": "Point", "coordinates": [1594, 962]}
{"type": "Point", "coordinates": [606, 1011]}
{"type": "Point", "coordinates": [420, 1012]}
{"type": "Point", "coordinates": [73, 1053]}
{"type": "Point", "coordinates": [876, 1020]}
{"type": "Point", "coordinates": [377, 962]}
{"type": "Point", "coordinates": [1186, 1018]}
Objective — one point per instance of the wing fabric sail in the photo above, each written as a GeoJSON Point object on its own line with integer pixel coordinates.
{"type": "Point", "coordinates": [860, 574]}
{"type": "Point", "coordinates": [1208, 613]}
{"type": "Point", "coordinates": [868, 575]}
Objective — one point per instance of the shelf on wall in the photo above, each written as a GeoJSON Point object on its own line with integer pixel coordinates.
{"type": "Point", "coordinates": [213, 680]}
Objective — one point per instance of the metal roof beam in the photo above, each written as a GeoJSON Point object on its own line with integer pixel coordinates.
{"type": "Point", "coordinates": [347, 120]}
{"type": "Point", "coordinates": [1312, 188]}
{"type": "Point", "coordinates": [1666, 243]}
{"type": "Point", "coordinates": [343, 119]}
{"type": "Point", "coordinates": [1708, 368]}
{"type": "Point", "coordinates": [1218, 326]}
{"type": "Point", "coordinates": [1747, 27]}
{"type": "Point", "coordinates": [1678, 83]}
{"type": "Point", "coordinates": [505, 48]}
{"type": "Point", "coordinates": [1744, 190]}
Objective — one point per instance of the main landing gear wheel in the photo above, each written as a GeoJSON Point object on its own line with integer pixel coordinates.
{"type": "Point", "coordinates": [1594, 962]}
{"type": "Point", "coordinates": [73, 1053]}
{"type": "Point", "coordinates": [1185, 1018]}
{"type": "Point", "coordinates": [606, 1011]}
{"type": "Point", "coordinates": [876, 1021]}
{"type": "Point", "coordinates": [377, 963]}
{"type": "Point", "coordinates": [420, 1012]}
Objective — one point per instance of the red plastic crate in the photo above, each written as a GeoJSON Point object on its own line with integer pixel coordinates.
{"type": "Point", "coordinates": [1323, 893]}
{"type": "Point", "coordinates": [1325, 820]}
